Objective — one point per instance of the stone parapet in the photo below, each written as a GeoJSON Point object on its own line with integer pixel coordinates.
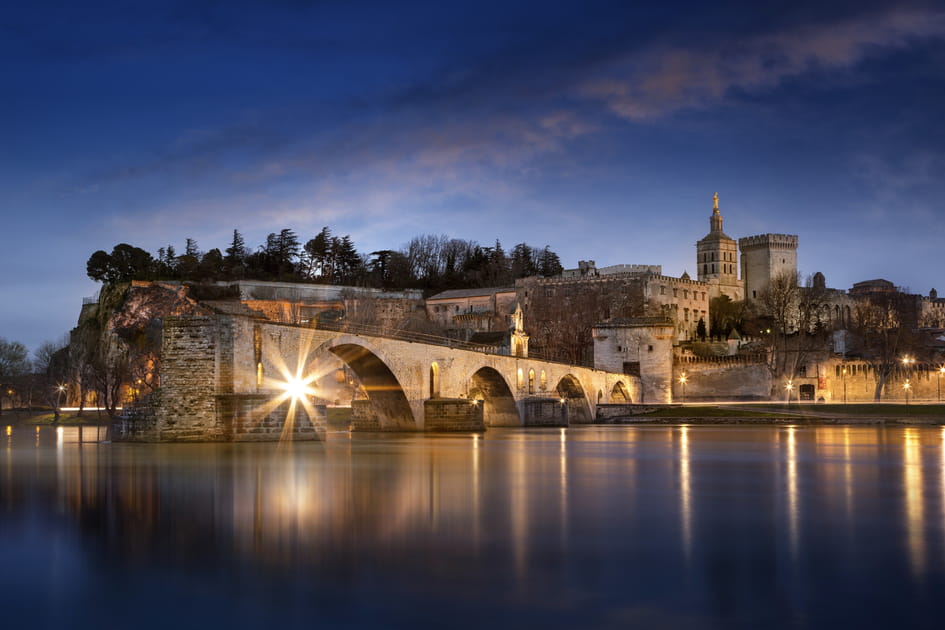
{"type": "Point", "coordinates": [768, 240]}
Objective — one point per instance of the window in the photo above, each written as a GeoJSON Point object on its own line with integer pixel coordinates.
{"type": "Point", "coordinates": [662, 290]}
{"type": "Point", "coordinates": [675, 292]}
{"type": "Point", "coordinates": [619, 348]}
{"type": "Point", "coordinates": [531, 381]}
{"type": "Point", "coordinates": [649, 348]}
{"type": "Point", "coordinates": [434, 380]}
{"type": "Point", "coordinates": [685, 293]}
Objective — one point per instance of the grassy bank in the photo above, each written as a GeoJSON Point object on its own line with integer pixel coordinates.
{"type": "Point", "coordinates": [40, 418]}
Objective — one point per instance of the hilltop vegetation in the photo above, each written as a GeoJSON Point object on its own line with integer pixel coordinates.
{"type": "Point", "coordinates": [428, 262]}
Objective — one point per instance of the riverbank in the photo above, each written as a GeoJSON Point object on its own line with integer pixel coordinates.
{"type": "Point", "coordinates": [774, 413]}
{"type": "Point", "coordinates": [32, 417]}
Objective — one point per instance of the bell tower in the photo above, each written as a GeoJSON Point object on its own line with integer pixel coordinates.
{"type": "Point", "coordinates": [717, 258]}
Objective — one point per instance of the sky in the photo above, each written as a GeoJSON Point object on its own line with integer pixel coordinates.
{"type": "Point", "coordinates": [600, 129]}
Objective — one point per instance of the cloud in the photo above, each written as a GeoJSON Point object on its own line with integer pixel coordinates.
{"type": "Point", "coordinates": [657, 82]}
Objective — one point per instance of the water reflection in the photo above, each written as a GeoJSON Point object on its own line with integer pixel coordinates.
{"type": "Point", "coordinates": [582, 527]}
{"type": "Point", "coordinates": [915, 508]}
{"type": "Point", "coordinates": [793, 510]}
{"type": "Point", "coordinates": [685, 507]}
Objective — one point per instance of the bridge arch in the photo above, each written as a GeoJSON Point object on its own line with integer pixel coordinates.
{"type": "Point", "coordinates": [499, 408]}
{"type": "Point", "coordinates": [620, 393]}
{"type": "Point", "coordinates": [388, 398]}
{"type": "Point", "coordinates": [579, 409]}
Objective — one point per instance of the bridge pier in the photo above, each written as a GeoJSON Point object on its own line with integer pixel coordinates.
{"type": "Point", "coordinates": [544, 412]}
{"type": "Point", "coordinates": [453, 414]}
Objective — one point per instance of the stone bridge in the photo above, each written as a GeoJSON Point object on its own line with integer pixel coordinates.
{"type": "Point", "coordinates": [225, 377]}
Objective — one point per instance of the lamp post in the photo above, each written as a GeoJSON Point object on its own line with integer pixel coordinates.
{"type": "Point", "coordinates": [789, 387]}
{"type": "Point", "coordinates": [907, 363]}
{"type": "Point", "coordinates": [59, 390]}
{"type": "Point", "coordinates": [682, 381]}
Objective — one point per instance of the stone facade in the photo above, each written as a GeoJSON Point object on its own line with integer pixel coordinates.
{"type": "Point", "coordinates": [764, 257]}
{"type": "Point", "coordinates": [226, 378]}
{"type": "Point", "coordinates": [616, 296]}
{"type": "Point", "coordinates": [727, 378]}
{"type": "Point", "coordinates": [717, 259]}
{"type": "Point", "coordinates": [464, 311]}
{"type": "Point", "coordinates": [641, 347]}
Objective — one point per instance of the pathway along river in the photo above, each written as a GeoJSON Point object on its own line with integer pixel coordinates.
{"type": "Point", "coordinates": [648, 527]}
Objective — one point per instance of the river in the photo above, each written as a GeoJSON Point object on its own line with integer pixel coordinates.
{"type": "Point", "coordinates": [649, 527]}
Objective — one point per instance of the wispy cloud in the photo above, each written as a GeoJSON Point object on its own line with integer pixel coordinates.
{"type": "Point", "coordinates": [662, 80]}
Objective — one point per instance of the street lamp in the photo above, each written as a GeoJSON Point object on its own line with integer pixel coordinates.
{"type": "Point", "coordinates": [682, 381]}
{"type": "Point", "coordinates": [907, 363]}
{"type": "Point", "coordinates": [789, 387]}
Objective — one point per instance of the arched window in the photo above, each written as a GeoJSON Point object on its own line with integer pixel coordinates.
{"type": "Point", "coordinates": [434, 380]}
{"type": "Point", "coordinates": [543, 380]}
{"type": "Point", "coordinates": [520, 379]}
{"type": "Point", "coordinates": [531, 381]}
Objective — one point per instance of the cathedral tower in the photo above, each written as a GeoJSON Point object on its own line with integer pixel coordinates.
{"type": "Point", "coordinates": [717, 258]}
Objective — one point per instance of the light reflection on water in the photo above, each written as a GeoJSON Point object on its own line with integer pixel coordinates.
{"type": "Point", "coordinates": [691, 526]}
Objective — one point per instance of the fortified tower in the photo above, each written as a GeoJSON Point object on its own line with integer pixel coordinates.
{"type": "Point", "coordinates": [717, 258]}
{"type": "Point", "coordinates": [764, 257]}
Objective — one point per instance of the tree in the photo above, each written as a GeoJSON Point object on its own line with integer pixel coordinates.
{"type": "Point", "coordinates": [796, 330]}
{"type": "Point", "coordinates": [522, 261]}
{"type": "Point", "coordinates": [318, 256]}
{"type": "Point", "coordinates": [13, 364]}
{"type": "Point", "coordinates": [51, 367]}
{"type": "Point", "coordinates": [125, 263]}
{"type": "Point", "coordinates": [235, 258]}
{"type": "Point", "coordinates": [549, 264]}
{"type": "Point", "coordinates": [212, 265]}
{"type": "Point", "coordinates": [727, 315]}
{"type": "Point", "coordinates": [388, 268]}
{"type": "Point", "coordinates": [347, 261]}
{"type": "Point", "coordinates": [700, 329]}
{"type": "Point", "coordinates": [882, 327]}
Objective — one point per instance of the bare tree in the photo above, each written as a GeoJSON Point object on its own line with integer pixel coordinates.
{"type": "Point", "coordinates": [796, 325]}
{"type": "Point", "coordinates": [13, 364]}
{"type": "Point", "coordinates": [51, 368]}
{"type": "Point", "coordinates": [882, 325]}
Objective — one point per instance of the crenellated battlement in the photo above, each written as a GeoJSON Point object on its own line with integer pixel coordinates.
{"type": "Point", "coordinates": [788, 241]}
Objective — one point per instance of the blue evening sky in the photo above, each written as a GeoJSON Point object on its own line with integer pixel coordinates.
{"type": "Point", "coordinates": [598, 128]}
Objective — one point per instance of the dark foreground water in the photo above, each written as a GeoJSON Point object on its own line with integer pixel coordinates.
{"type": "Point", "coordinates": [648, 527]}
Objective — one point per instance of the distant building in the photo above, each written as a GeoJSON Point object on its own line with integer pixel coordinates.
{"type": "Point", "coordinates": [465, 312]}
{"type": "Point", "coordinates": [717, 259]}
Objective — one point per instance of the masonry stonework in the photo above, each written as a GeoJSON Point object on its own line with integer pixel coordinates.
{"type": "Point", "coordinates": [226, 378]}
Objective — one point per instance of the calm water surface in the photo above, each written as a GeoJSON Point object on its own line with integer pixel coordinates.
{"type": "Point", "coordinates": [649, 527]}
